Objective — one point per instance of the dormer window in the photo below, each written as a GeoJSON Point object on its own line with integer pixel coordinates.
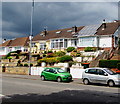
{"type": "Point", "coordinates": [69, 30]}
{"type": "Point", "coordinates": [58, 32]}
{"type": "Point", "coordinates": [42, 34]}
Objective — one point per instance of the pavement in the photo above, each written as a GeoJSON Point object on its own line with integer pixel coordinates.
{"type": "Point", "coordinates": [35, 77]}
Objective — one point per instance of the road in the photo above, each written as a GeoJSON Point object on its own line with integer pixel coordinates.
{"type": "Point", "coordinates": [35, 90]}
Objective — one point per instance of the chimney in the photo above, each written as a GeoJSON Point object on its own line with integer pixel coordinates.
{"type": "Point", "coordinates": [45, 31]}
{"type": "Point", "coordinates": [104, 25]}
{"type": "Point", "coordinates": [74, 29]}
{"type": "Point", "coordinates": [4, 40]}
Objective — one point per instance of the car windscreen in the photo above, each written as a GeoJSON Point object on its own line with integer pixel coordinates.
{"type": "Point", "coordinates": [59, 70]}
{"type": "Point", "coordinates": [109, 71]}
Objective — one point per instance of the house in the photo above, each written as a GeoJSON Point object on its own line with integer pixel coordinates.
{"type": "Point", "coordinates": [56, 39]}
{"type": "Point", "coordinates": [103, 35]}
{"type": "Point", "coordinates": [14, 45]}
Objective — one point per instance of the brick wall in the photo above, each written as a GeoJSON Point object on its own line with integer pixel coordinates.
{"type": "Point", "coordinates": [17, 70]}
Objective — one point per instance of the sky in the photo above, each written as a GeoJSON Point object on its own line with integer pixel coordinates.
{"type": "Point", "coordinates": [16, 16]}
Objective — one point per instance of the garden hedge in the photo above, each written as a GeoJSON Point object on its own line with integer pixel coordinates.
{"type": "Point", "coordinates": [109, 63]}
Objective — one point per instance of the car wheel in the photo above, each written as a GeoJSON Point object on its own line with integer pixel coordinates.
{"type": "Point", "coordinates": [111, 83]}
{"type": "Point", "coordinates": [42, 78]}
{"type": "Point", "coordinates": [86, 81]}
{"type": "Point", "coordinates": [59, 79]}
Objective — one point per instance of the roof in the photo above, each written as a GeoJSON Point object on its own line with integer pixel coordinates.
{"type": "Point", "coordinates": [7, 43]}
{"type": "Point", "coordinates": [89, 30]}
{"type": "Point", "coordinates": [109, 30]}
{"type": "Point", "coordinates": [61, 33]}
{"type": "Point", "coordinates": [23, 41]}
{"type": "Point", "coordinates": [20, 41]}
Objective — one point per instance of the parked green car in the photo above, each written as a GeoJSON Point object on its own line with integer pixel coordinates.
{"type": "Point", "coordinates": [53, 73]}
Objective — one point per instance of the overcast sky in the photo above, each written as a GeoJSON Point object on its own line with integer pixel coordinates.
{"type": "Point", "coordinates": [53, 15]}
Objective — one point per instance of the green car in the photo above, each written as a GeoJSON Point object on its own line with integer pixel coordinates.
{"type": "Point", "coordinates": [53, 73]}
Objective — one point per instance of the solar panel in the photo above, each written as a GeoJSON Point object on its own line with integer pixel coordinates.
{"type": "Point", "coordinates": [89, 30]}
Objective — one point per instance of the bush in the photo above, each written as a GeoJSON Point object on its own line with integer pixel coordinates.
{"type": "Point", "coordinates": [9, 57]}
{"type": "Point", "coordinates": [89, 49]}
{"type": "Point", "coordinates": [50, 51]}
{"type": "Point", "coordinates": [26, 65]}
{"type": "Point", "coordinates": [51, 55]}
{"type": "Point", "coordinates": [70, 49]}
{"type": "Point", "coordinates": [21, 65]}
{"type": "Point", "coordinates": [60, 53]}
{"type": "Point", "coordinates": [65, 58]}
{"type": "Point", "coordinates": [75, 54]}
{"type": "Point", "coordinates": [48, 60]}
{"type": "Point", "coordinates": [109, 63]}
{"type": "Point", "coordinates": [118, 66]}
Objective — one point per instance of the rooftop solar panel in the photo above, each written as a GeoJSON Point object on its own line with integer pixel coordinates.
{"type": "Point", "coordinates": [89, 30]}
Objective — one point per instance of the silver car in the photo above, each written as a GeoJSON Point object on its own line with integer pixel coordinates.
{"type": "Point", "coordinates": [100, 75]}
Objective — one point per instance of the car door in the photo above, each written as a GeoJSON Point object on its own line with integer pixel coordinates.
{"type": "Point", "coordinates": [93, 76]}
{"type": "Point", "coordinates": [102, 78]}
{"type": "Point", "coordinates": [51, 74]}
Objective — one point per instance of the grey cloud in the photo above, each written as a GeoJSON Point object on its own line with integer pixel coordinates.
{"type": "Point", "coordinates": [16, 16]}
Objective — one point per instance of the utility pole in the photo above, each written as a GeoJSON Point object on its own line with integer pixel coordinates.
{"type": "Point", "coordinates": [30, 37]}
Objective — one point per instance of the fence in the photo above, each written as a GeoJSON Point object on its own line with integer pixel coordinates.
{"type": "Point", "coordinates": [75, 72]}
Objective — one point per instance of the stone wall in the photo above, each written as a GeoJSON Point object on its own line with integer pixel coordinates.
{"type": "Point", "coordinates": [17, 70]}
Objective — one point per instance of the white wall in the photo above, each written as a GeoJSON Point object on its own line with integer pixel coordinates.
{"type": "Point", "coordinates": [87, 42]}
{"type": "Point", "coordinates": [105, 42]}
{"type": "Point", "coordinates": [75, 72]}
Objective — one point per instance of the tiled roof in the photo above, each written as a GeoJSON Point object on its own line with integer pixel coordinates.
{"type": "Point", "coordinates": [52, 34]}
{"type": "Point", "coordinates": [110, 28]}
{"type": "Point", "coordinates": [23, 41]}
{"type": "Point", "coordinates": [20, 41]}
{"type": "Point", "coordinates": [5, 44]}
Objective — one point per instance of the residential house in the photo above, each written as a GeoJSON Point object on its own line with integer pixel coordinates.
{"type": "Point", "coordinates": [14, 45]}
{"type": "Point", "coordinates": [103, 35]}
{"type": "Point", "coordinates": [57, 39]}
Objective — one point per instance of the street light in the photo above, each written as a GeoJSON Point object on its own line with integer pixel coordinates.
{"type": "Point", "coordinates": [31, 36]}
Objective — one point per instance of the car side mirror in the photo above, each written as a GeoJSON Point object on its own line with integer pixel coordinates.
{"type": "Point", "coordinates": [55, 72]}
{"type": "Point", "coordinates": [105, 74]}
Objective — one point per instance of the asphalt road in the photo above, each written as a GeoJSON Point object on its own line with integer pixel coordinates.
{"type": "Point", "coordinates": [35, 90]}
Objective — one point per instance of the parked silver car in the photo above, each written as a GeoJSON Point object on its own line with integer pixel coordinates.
{"type": "Point", "coordinates": [100, 75]}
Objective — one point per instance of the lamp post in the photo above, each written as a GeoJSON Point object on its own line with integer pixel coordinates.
{"type": "Point", "coordinates": [30, 37]}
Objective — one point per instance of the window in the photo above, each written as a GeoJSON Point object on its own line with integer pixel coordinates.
{"type": "Point", "coordinates": [100, 72]}
{"type": "Point", "coordinates": [92, 71]}
{"type": "Point", "coordinates": [51, 70]}
{"type": "Point", "coordinates": [42, 46]}
{"type": "Point", "coordinates": [74, 42]}
{"type": "Point", "coordinates": [57, 43]}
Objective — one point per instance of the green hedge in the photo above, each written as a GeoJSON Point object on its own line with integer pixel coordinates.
{"type": "Point", "coordinates": [70, 49]}
{"type": "Point", "coordinates": [109, 63]}
{"type": "Point", "coordinates": [65, 58]}
{"type": "Point", "coordinates": [118, 66]}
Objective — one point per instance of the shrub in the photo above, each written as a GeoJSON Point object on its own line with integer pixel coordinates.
{"type": "Point", "coordinates": [21, 65]}
{"type": "Point", "coordinates": [26, 65]}
{"type": "Point", "coordinates": [9, 57]}
{"type": "Point", "coordinates": [75, 54]}
{"type": "Point", "coordinates": [118, 66]}
{"type": "Point", "coordinates": [109, 63]}
{"type": "Point", "coordinates": [60, 53]}
{"type": "Point", "coordinates": [50, 51]}
{"type": "Point", "coordinates": [65, 58]}
{"type": "Point", "coordinates": [31, 64]}
{"type": "Point", "coordinates": [89, 49]}
{"type": "Point", "coordinates": [48, 60]}
{"type": "Point", "coordinates": [70, 49]}
{"type": "Point", "coordinates": [51, 55]}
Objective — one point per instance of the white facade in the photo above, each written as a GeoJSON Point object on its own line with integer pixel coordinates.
{"type": "Point", "coordinates": [6, 50]}
{"type": "Point", "coordinates": [105, 41]}
{"type": "Point", "coordinates": [88, 41]}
